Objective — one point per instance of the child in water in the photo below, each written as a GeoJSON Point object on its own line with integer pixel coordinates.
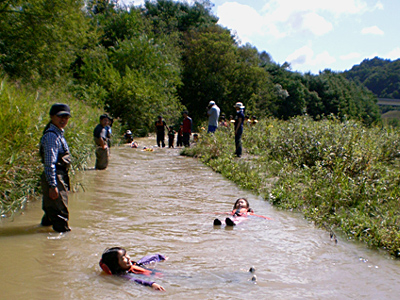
{"type": "Point", "coordinates": [115, 261]}
{"type": "Point", "coordinates": [171, 136]}
{"type": "Point", "coordinates": [179, 141]}
{"type": "Point", "coordinates": [240, 208]}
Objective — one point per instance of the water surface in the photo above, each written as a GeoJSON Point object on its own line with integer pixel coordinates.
{"type": "Point", "coordinates": [160, 202]}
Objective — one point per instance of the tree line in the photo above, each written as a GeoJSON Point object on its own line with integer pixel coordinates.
{"type": "Point", "coordinates": [159, 59]}
{"type": "Point", "coordinates": [381, 76]}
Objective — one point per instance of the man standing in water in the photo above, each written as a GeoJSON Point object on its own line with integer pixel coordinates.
{"type": "Point", "coordinates": [56, 161]}
{"type": "Point", "coordinates": [187, 128]}
{"type": "Point", "coordinates": [213, 115]}
{"type": "Point", "coordinates": [100, 138]}
{"type": "Point", "coordinates": [239, 119]}
{"type": "Point", "coordinates": [160, 130]}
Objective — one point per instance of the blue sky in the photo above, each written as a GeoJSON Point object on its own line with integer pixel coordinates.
{"type": "Point", "coordinates": [313, 35]}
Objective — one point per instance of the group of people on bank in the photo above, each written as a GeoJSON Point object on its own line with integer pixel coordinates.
{"type": "Point", "coordinates": [213, 112]}
{"type": "Point", "coordinates": [214, 121]}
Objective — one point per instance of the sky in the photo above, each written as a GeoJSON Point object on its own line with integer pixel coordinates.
{"type": "Point", "coordinates": [314, 35]}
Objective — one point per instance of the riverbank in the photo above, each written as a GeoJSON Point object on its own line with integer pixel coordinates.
{"type": "Point", "coordinates": [24, 114]}
{"type": "Point", "coordinates": [341, 175]}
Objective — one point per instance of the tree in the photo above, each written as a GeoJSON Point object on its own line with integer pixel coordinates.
{"type": "Point", "coordinates": [40, 38]}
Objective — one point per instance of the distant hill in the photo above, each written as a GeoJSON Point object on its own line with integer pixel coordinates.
{"type": "Point", "coordinates": [381, 76]}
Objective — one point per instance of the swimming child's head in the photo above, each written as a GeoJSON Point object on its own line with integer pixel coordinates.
{"type": "Point", "coordinates": [241, 203]}
{"type": "Point", "coordinates": [116, 260]}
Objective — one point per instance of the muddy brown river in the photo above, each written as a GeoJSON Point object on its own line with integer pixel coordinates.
{"type": "Point", "coordinates": [161, 202]}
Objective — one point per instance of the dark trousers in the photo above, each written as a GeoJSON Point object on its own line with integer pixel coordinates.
{"type": "Point", "coordinates": [102, 158]}
{"type": "Point", "coordinates": [238, 144]}
{"type": "Point", "coordinates": [171, 141]}
{"type": "Point", "coordinates": [186, 139]}
{"type": "Point", "coordinates": [179, 141]}
{"type": "Point", "coordinates": [56, 210]}
{"type": "Point", "coordinates": [160, 139]}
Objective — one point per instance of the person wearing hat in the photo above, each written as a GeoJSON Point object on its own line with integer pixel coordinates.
{"type": "Point", "coordinates": [56, 161]}
{"type": "Point", "coordinates": [239, 119]}
{"type": "Point", "coordinates": [100, 138]}
{"type": "Point", "coordinates": [128, 136]}
{"type": "Point", "coordinates": [213, 116]}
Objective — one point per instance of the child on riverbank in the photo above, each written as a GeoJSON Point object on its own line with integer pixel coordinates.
{"type": "Point", "coordinates": [241, 208]}
{"type": "Point", "coordinates": [116, 261]}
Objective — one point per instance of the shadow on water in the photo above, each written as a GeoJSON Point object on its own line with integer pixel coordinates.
{"type": "Point", "coordinates": [161, 202]}
{"type": "Point", "coordinates": [24, 230]}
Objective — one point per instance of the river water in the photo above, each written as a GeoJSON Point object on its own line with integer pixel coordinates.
{"type": "Point", "coordinates": [160, 202]}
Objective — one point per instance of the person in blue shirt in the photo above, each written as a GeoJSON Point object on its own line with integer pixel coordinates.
{"type": "Point", "coordinates": [239, 119]}
{"type": "Point", "coordinates": [56, 161]}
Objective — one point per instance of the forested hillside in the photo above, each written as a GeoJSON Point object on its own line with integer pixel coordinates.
{"type": "Point", "coordinates": [163, 57]}
{"type": "Point", "coordinates": [381, 76]}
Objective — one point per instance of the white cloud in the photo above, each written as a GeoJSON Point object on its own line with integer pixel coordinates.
{"type": "Point", "coordinates": [242, 18]}
{"type": "Point", "coordinates": [372, 30]}
{"type": "Point", "coordinates": [350, 56]}
{"type": "Point", "coordinates": [282, 18]}
{"type": "Point", "coordinates": [316, 24]}
{"type": "Point", "coordinates": [304, 58]}
{"type": "Point", "coordinates": [130, 2]}
{"type": "Point", "coordinates": [394, 54]}
{"type": "Point", "coordinates": [300, 56]}
{"type": "Point", "coordinates": [287, 7]}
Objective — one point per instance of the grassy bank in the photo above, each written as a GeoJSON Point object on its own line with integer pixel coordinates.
{"type": "Point", "coordinates": [341, 175]}
{"type": "Point", "coordinates": [24, 114]}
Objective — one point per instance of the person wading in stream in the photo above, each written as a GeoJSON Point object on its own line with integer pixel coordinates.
{"type": "Point", "coordinates": [56, 160]}
{"type": "Point", "coordinates": [100, 138]}
{"type": "Point", "coordinates": [160, 130]}
{"type": "Point", "coordinates": [187, 128]}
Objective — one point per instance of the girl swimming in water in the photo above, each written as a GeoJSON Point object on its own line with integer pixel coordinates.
{"type": "Point", "coordinates": [116, 261]}
{"type": "Point", "coordinates": [241, 208]}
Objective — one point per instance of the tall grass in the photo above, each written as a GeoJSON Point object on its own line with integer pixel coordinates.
{"type": "Point", "coordinates": [341, 175]}
{"type": "Point", "coordinates": [24, 114]}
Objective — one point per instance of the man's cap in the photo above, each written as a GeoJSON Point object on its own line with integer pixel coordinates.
{"type": "Point", "coordinates": [239, 105]}
{"type": "Point", "coordinates": [105, 116]}
{"type": "Point", "coordinates": [128, 132]}
{"type": "Point", "coordinates": [59, 109]}
{"type": "Point", "coordinates": [211, 103]}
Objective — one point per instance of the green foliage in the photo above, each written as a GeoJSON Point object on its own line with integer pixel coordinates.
{"type": "Point", "coordinates": [381, 76]}
{"type": "Point", "coordinates": [322, 95]}
{"type": "Point", "coordinates": [39, 39]}
{"type": "Point", "coordinates": [216, 69]}
{"type": "Point", "coordinates": [23, 117]}
{"type": "Point", "coordinates": [167, 16]}
{"type": "Point", "coordinates": [338, 174]}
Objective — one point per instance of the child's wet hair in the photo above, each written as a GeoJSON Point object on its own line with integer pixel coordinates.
{"type": "Point", "coordinates": [110, 259]}
{"type": "Point", "coordinates": [237, 201]}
